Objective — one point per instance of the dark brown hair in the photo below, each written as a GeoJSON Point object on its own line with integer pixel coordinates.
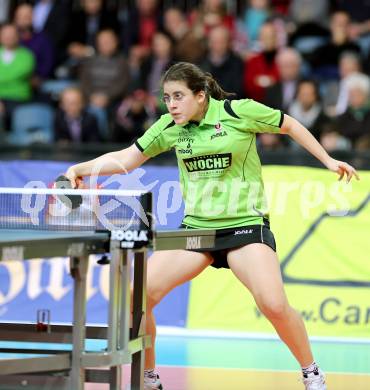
{"type": "Point", "coordinates": [196, 80]}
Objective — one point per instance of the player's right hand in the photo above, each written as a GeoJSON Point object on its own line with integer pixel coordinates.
{"type": "Point", "coordinates": [76, 181]}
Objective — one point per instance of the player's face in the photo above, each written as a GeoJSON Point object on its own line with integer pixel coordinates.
{"type": "Point", "coordinates": [182, 103]}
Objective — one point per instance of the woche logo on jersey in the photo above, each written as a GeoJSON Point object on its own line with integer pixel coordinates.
{"type": "Point", "coordinates": [208, 162]}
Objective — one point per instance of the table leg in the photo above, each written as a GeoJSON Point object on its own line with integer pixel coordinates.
{"type": "Point", "coordinates": [139, 318]}
{"type": "Point", "coordinates": [79, 266]}
{"type": "Point", "coordinates": [118, 268]}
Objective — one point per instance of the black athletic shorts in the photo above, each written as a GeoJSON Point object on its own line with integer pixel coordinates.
{"type": "Point", "coordinates": [232, 238]}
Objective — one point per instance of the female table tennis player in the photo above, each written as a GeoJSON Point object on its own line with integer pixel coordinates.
{"type": "Point", "coordinates": [215, 143]}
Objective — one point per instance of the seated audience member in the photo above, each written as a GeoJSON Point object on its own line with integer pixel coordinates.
{"type": "Point", "coordinates": [269, 141]}
{"type": "Point", "coordinates": [261, 69]}
{"type": "Point", "coordinates": [104, 77]}
{"type": "Point", "coordinates": [139, 23]}
{"type": "Point", "coordinates": [308, 25]}
{"type": "Point", "coordinates": [325, 59]}
{"type": "Point", "coordinates": [331, 140]}
{"type": "Point", "coordinates": [307, 108]}
{"type": "Point", "coordinates": [335, 94]}
{"type": "Point", "coordinates": [53, 17]}
{"type": "Point", "coordinates": [157, 63]}
{"type": "Point", "coordinates": [86, 23]}
{"type": "Point", "coordinates": [73, 123]}
{"type": "Point", "coordinates": [360, 26]}
{"type": "Point", "coordinates": [281, 94]}
{"type": "Point", "coordinates": [222, 63]}
{"type": "Point", "coordinates": [210, 14]}
{"type": "Point", "coordinates": [38, 42]}
{"type": "Point", "coordinates": [354, 124]}
{"type": "Point", "coordinates": [136, 57]}
{"type": "Point", "coordinates": [16, 67]}
{"type": "Point", "coordinates": [255, 15]}
{"type": "Point", "coordinates": [189, 44]}
{"type": "Point", "coordinates": [136, 113]}
{"type": "Point", "coordinates": [5, 10]}
{"type": "Point", "coordinates": [349, 63]}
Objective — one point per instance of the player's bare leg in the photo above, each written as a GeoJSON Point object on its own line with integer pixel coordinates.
{"type": "Point", "coordinates": [166, 270]}
{"type": "Point", "coordinates": [257, 267]}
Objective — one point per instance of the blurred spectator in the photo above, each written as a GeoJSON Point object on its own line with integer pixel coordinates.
{"type": "Point", "coordinates": [308, 28]}
{"type": "Point", "coordinates": [280, 6]}
{"type": "Point", "coordinates": [281, 94]}
{"type": "Point", "coordinates": [104, 76]}
{"type": "Point", "coordinates": [189, 45]}
{"type": "Point", "coordinates": [307, 108]}
{"type": "Point", "coordinates": [325, 59]}
{"type": "Point", "coordinates": [261, 70]}
{"type": "Point", "coordinates": [222, 63]}
{"type": "Point", "coordinates": [135, 114]}
{"type": "Point", "coordinates": [210, 14]}
{"type": "Point", "coordinates": [39, 43]}
{"type": "Point", "coordinates": [354, 124]}
{"type": "Point", "coordinates": [53, 18]}
{"type": "Point", "coordinates": [139, 23]}
{"type": "Point", "coordinates": [136, 57]}
{"type": "Point", "coordinates": [157, 63]}
{"type": "Point", "coordinates": [360, 26]}
{"type": "Point", "coordinates": [269, 141]}
{"type": "Point", "coordinates": [73, 123]}
{"type": "Point", "coordinates": [255, 15]}
{"type": "Point", "coordinates": [335, 92]}
{"type": "Point", "coordinates": [86, 23]}
{"type": "Point", "coordinates": [16, 67]}
{"type": "Point", "coordinates": [5, 6]}
{"type": "Point", "coordinates": [308, 11]}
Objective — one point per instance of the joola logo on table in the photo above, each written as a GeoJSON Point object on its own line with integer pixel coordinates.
{"type": "Point", "coordinates": [129, 235]}
{"type": "Point", "coordinates": [208, 162]}
{"type": "Point", "coordinates": [193, 242]}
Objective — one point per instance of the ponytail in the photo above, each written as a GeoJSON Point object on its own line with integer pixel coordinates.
{"type": "Point", "coordinates": [214, 89]}
{"type": "Point", "coordinates": [196, 80]}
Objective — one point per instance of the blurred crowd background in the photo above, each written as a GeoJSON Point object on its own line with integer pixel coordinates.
{"type": "Point", "coordinates": [89, 71]}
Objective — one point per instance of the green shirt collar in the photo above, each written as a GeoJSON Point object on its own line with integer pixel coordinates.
{"type": "Point", "coordinates": [211, 116]}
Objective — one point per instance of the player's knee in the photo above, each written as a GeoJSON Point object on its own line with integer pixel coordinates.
{"type": "Point", "coordinates": [154, 295]}
{"type": "Point", "coordinates": [274, 309]}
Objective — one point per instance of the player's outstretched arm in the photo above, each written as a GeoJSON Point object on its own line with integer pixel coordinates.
{"type": "Point", "coordinates": [122, 161]}
{"type": "Point", "coordinates": [303, 137]}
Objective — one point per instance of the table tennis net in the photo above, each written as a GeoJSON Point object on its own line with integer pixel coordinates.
{"type": "Point", "coordinates": [43, 209]}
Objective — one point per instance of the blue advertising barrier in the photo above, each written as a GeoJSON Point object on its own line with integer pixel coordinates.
{"type": "Point", "coordinates": [40, 284]}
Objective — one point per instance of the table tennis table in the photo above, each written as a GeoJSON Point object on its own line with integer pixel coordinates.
{"type": "Point", "coordinates": [125, 344]}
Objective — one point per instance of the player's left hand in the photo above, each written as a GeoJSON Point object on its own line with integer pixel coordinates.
{"type": "Point", "coordinates": [342, 169]}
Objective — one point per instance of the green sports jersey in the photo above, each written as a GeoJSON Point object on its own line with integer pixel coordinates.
{"type": "Point", "coordinates": [219, 168]}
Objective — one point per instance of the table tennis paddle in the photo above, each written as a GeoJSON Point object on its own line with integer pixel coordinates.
{"type": "Point", "coordinates": [71, 201]}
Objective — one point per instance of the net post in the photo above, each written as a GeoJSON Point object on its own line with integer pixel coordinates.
{"type": "Point", "coordinates": [147, 204]}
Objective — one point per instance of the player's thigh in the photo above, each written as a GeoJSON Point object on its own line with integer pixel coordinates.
{"type": "Point", "coordinates": [257, 267]}
{"type": "Point", "coordinates": [168, 269]}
